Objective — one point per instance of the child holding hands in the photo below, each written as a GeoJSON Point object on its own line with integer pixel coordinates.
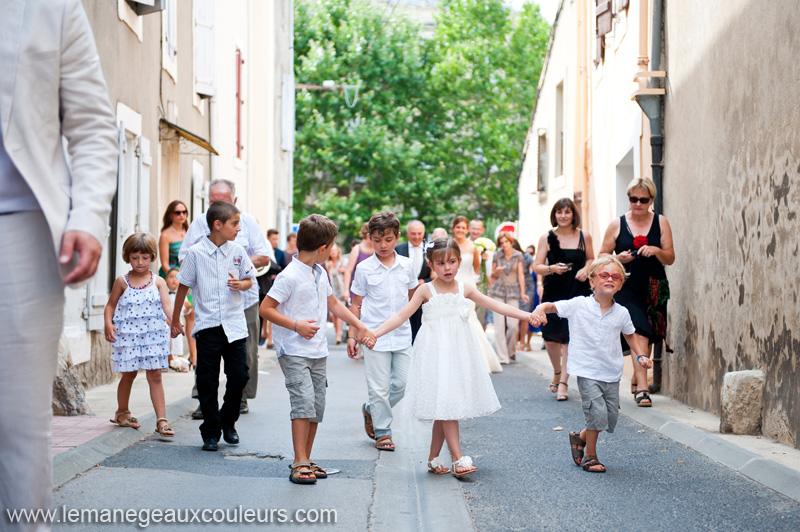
{"type": "Point", "coordinates": [448, 380]}
{"type": "Point", "coordinates": [595, 354]}
{"type": "Point", "coordinates": [135, 322]}
{"type": "Point", "coordinates": [298, 303]}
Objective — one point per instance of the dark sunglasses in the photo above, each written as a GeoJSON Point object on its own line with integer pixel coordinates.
{"type": "Point", "coordinates": [180, 212]}
{"type": "Point", "coordinates": [643, 201]}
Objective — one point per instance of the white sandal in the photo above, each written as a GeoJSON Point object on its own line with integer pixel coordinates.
{"type": "Point", "coordinates": [465, 462]}
{"type": "Point", "coordinates": [437, 467]}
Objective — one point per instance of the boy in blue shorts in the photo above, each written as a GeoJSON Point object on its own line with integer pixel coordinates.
{"type": "Point", "coordinates": [298, 303]}
{"type": "Point", "coordinates": [595, 354]}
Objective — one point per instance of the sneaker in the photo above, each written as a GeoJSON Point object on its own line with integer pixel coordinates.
{"type": "Point", "coordinates": [197, 414]}
{"type": "Point", "coordinates": [243, 408]}
{"type": "Point", "coordinates": [262, 341]}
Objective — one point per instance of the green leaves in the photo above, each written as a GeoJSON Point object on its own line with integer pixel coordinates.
{"type": "Point", "coordinates": [440, 122]}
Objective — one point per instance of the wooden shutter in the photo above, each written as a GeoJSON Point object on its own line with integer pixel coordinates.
{"type": "Point", "coordinates": [204, 76]}
{"type": "Point", "coordinates": [603, 23]}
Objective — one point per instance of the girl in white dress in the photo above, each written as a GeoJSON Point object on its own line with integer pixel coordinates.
{"type": "Point", "coordinates": [467, 271]}
{"type": "Point", "coordinates": [136, 323]}
{"type": "Point", "coordinates": [448, 380]}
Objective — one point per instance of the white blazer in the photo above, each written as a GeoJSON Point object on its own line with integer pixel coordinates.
{"type": "Point", "coordinates": [51, 85]}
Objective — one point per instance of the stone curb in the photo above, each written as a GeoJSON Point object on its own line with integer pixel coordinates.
{"type": "Point", "coordinates": [771, 474]}
{"type": "Point", "coordinates": [69, 464]}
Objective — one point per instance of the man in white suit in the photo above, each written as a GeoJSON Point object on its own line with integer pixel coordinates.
{"type": "Point", "coordinates": [53, 218]}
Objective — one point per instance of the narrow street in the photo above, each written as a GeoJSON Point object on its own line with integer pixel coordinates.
{"type": "Point", "coordinates": [526, 480]}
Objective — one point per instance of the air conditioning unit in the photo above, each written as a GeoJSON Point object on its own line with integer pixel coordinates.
{"type": "Point", "coordinates": [145, 7]}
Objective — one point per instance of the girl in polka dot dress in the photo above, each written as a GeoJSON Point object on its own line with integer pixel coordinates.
{"type": "Point", "coordinates": [136, 323]}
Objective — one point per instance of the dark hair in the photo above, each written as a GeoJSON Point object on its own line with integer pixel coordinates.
{"type": "Point", "coordinates": [458, 219]}
{"type": "Point", "coordinates": [139, 243]}
{"type": "Point", "coordinates": [315, 231]}
{"type": "Point", "coordinates": [170, 271]}
{"type": "Point", "coordinates": [221, 211]}
{"type": "Point", "coordinates": [384, 222]}
{"type": "Point", "coordinates": [442, 248]}
{"type": "Point", "coordinates": [515, 244]}
{"type": "Point", "coordinates": [167, 219]}
{"type": "Point", "coordinates": [531, 246]}
{"type": "Point", "coordinates": [271, 232]}
{"type": "Point", "coordinates": [355, 242]}
{"type": "Point", "coordinates": [560, 204]}
{"type": "Point", "coordinates": [291, 236]}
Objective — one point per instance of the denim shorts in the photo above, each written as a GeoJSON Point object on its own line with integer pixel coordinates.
{"type": "Point", "coordinates": [306, 380]}
{"type": "Point", "coordinates": [600, 402]}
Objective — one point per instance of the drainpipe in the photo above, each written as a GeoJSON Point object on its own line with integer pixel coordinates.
{"type": "Point", "coordinates": [213, 137]}
{"type": "Point", "coordinates": [656, 134]}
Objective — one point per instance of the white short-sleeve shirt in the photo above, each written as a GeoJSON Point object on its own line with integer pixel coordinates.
{"type": "Point", "coordinates": [594, 348]}
{"type": "Point", "coordinates": [302, 294]}
{"type": "Point", "coordinates": [250, 237]}
{"type": "Point", "coordinates": [385, 290]}
{"type": "Point", "coordinates": [206, 269]}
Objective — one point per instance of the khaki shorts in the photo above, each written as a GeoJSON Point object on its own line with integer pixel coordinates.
{"type": "Point", "coordinates": [306, 380]}
{"type": "Point", "coordinates": [600, 402]}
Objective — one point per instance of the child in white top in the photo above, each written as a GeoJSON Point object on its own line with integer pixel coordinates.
{"type": "Point", "coordinates": [595, 354]}
{"type": "Point", "coordinates": [136, 323]}
{"type": "Point", "coordinates": [448, 380]}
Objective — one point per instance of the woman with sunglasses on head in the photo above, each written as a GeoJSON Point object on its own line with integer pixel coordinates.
{"type": "Point", "coordinates": [562, 263]}
{"type": "Point", "coordinates": [642, 241]}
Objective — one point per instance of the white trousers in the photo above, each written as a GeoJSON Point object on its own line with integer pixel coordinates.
{"type": "Point", "coordinates": [387, 374]}
{"type": "Point", "coordinates": [505, 332]}
{"type": "Point", "coordinates": [31, 319]}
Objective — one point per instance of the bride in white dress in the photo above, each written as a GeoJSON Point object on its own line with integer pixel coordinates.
{"type": "Point", "coordinates": [466, 274]}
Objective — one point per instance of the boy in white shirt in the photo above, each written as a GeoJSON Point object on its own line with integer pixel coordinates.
{"type": "Point", "coordinates": [595, 354]}
{"type": "Point", "coordinates": [219, 271]}
{"type": "Point", "coordinates": [382, 286]}
{"type": "Point", "coordinates": [298, 303]}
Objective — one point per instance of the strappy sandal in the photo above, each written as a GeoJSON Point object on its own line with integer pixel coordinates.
{"type": "Point", "coordinates": [164, 430]}
{"type": "Point", "coordinates": [465, 462]}
{"type": "Point", "coordinates": [589, 462]}
{"type": "Point", "coordinates": [302, 469]}
{"type": "Point", "coordinates": [384, 443]}
{"type": "Point", "coordinates": [563, 396]}
{"type": "Point", "coordinates": [437, 467]}
{"type": "Point", "coordinates": [642, 395]}
{"type": "Point", "coordinates": [317, 470]}
{"type": "Point", "coordinates": [576, 445]}
{"type": "Point", "coordinates": [129, 421]}
{"type": "Point", "coordinates": [554, 385]}
{"type": "Point", "coordinates": [368, 427]}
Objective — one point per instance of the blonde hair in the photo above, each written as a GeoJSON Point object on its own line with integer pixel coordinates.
{"type": "Point", "coordinates": [604, 261]}
{"type": "Point", "coordinates": [139, 243]}
{"type": "Point", "coordinates": [642, 183]}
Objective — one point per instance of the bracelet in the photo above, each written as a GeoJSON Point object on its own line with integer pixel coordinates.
{"type": "Point", "coordinates": [548, 270]}
{"type": "Point", "coordinates": [352, 338]}
{"type": "Point", "coordinates": [295, 325]}
{"type": "Point", "coordinates": [640, 356]}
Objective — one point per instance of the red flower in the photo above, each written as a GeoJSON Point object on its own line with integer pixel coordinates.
{"type": "Point", "coordinates": [639, 241]}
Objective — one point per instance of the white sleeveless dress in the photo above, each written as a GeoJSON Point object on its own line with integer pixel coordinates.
{"type": "Point", "coordinates": [448, 377]}
{"type": "Point", "coordinates": [466, 275]}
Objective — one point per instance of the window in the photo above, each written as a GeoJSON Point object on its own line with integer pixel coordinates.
{"type": "Point", "coordinates": [169, 38]}
{"type": "Point", "coordinates": [604, 18]}
{"type": "Point", "coordinates": [204, 76]}
{"type": "Point", "coordinates": [239, 103]}
{"type": "Point", "coordinates": [542, 168]}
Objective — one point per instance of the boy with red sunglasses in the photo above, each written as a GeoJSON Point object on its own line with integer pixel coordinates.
{"type": "Point", "coordinates": [595, 354]}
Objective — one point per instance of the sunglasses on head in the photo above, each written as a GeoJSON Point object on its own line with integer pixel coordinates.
{"type": "Point", "coordinates": [643, 201]}
{"type": "Point", "coordinates": [613, 276]}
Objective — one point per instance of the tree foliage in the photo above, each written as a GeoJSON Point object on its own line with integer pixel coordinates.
{"type": "Point", "coordinates": [440, 121]}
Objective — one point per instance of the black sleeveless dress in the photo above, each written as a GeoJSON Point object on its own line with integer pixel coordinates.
{"type": "Point", "coordinates": [559, 287]}
{"type": "Point", "coordinates": [645, 291]}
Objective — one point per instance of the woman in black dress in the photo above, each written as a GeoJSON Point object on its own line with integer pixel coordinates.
{"type": "Point", "coordinates": [642, 241]}
{"type": "Point", "coordinates": [562, 261]}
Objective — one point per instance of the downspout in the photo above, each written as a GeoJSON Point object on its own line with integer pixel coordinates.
{"type": "Point", "coordinates": [213, 137]}
{"type": "Point", "coordinates": [656, 131]}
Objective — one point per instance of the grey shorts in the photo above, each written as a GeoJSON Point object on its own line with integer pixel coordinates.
{"type": "Point", "coordinates": [600, 402]}
{"type": "Point", "coordinates": [306, 380]}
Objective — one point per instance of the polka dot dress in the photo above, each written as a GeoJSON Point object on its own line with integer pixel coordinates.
{"type": "Point", "coordinates": [143, 341]}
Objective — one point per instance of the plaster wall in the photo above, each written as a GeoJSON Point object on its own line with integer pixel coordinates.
{"type": "Point", "coordinates": [731, 193]}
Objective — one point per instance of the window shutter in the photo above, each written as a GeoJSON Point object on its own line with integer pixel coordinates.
{"type": "Point", "coordinates": [622, 4]}
{"type": "Point", "coordinates": [204, 79]}
{"type": "Point", "coordinates": [604, 20]}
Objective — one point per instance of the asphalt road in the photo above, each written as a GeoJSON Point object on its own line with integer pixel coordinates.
{"type": "Point", "coordinates": [526, 480]}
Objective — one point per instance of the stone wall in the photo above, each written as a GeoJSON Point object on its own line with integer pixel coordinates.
{"type": "Point", "coordinates": [732, 195]}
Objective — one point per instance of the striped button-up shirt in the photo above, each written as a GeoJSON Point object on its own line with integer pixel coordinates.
{"type": "Point", "coordinates": [250, 237]}
{"type": "Point", "coordinates": [206, 269]}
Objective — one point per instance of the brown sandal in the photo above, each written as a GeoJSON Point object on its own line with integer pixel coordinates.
{"type": "Point", "coordinates": [368, 427]}
{"type": "Point", "coordinates": [577, 445]}
{"type": "Point", "coordinates": [318, 471]}
{"type": "Point", "coordinates": [302, 469]}
{"type": "Point", "coordinates": [384, 443]}
{"type": "Point", "coordinates": [589, 462]}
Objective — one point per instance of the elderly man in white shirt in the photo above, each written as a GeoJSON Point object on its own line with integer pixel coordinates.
{"type": "Point", "coordinates": [52, 212]}
{"type": "Point", "coordinates": [255, 243]}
